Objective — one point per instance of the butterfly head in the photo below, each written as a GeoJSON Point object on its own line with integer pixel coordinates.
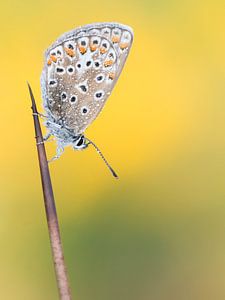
{"type": "Point", "coordinates": [79, 142]}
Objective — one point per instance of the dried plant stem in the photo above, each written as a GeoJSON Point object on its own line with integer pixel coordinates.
{"type": "Point", "coordinates": [50, 209]}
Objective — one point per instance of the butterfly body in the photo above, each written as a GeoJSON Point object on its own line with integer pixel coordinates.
{"type": "Point", "coordinates": [80, 71]}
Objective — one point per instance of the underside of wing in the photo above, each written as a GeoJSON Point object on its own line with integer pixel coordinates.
{"type": "Point", "coordinates": [80, 71]}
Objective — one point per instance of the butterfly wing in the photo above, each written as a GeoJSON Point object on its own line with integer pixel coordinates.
{"type": "Point", "coordinates": [80, 71]}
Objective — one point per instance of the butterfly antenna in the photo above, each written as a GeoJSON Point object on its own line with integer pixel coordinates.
{"type": "Point", "coordinates": [102, 156]}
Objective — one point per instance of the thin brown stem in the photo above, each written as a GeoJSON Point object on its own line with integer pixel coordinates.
{"type": "Point", "coordinates": [50, 209]}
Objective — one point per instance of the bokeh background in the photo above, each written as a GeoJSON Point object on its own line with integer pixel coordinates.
{"type": "Point", "coordinates": [158, 232]}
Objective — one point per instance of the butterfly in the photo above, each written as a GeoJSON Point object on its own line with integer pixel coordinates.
{"type": "Point", "coordinates": [80, 70]}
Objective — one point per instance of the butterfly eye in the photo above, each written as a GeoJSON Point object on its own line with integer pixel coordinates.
{"type": "Point", "coordinates": [80, 142]}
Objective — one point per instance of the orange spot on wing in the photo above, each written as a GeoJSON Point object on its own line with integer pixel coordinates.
{"type": "Point", "coordinates": [69, 52]}
{"type": "Point", "coordinates": [93, 47]}
{"type": "Point", "coordinates": [82, 50]}
{"type": "Point", "coordinates": [111, 75]}
{"type": "Point", "coordinates": [53, 58]}
{"type": "Point", "coordinates": [115, 39]}
{"type": "Point", "coordinates": [108, 63]}
{"type": "Point", "coordinates": [103, 50]}
{"type": "Point", "coordinates": [124, 46]}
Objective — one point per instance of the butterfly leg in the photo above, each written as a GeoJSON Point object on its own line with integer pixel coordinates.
{"type": "Point", "coordinates": [39, 115]}
{"type": "Point", "coordinates": [59, 152]}
{"type": "Point", "coordinates": [46, 139]}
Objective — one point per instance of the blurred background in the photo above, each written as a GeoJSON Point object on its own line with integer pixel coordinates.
{"type": "Point", "coordinates": [159, 231]}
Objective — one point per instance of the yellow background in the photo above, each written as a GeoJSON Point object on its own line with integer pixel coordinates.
{"type": "Point", "coordinates": [157, 233]}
